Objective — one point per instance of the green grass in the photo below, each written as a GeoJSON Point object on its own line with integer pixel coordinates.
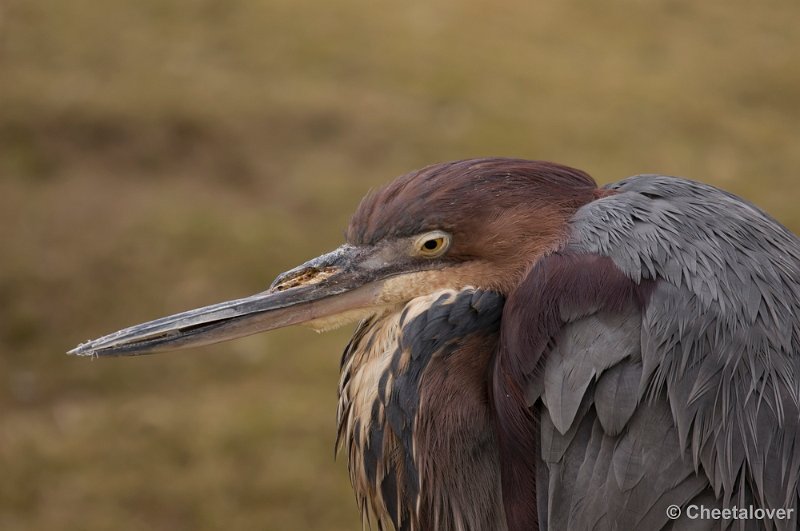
{"type": "Point", "coordinates": [163, 154]}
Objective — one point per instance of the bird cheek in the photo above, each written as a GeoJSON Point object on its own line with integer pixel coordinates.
{"type": "Point", "coordinates": [403, 288]}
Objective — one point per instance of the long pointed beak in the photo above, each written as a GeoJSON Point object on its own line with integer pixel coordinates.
{"type": "Point", "coordinates": [329, 285]}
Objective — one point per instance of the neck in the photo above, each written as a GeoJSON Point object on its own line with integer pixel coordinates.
{"type": "Point", "coordinates": [413, 414]}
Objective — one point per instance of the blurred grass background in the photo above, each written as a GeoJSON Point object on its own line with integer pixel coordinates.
{"type": "Point", "coordinates": [162, 154]}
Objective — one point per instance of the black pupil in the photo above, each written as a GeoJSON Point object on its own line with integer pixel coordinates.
{"type": "Point", "coordinates": [431, 245]}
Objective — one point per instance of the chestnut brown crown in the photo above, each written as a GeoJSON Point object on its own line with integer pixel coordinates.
{"type": "Point", "coordinates": [501, 213]}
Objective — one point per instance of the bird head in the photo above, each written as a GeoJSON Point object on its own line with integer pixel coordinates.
{"type": "Point", "coordinates": [479, 222]}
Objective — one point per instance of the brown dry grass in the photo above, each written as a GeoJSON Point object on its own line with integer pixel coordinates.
{"type": "Point", "coordinates": [161, 154]}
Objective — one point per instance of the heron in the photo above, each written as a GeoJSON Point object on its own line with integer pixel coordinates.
{"type": "Point", "coordinates": [533, 351]}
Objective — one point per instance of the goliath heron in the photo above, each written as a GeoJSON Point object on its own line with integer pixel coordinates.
{"type": "Point", "coordinates": [533, 351]}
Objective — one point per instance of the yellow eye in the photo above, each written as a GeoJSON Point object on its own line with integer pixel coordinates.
{"type": "Point", "coordinates": [432, 244]}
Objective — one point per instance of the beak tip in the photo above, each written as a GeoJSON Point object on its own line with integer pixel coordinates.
{"type": "Point", "coordinates": [84, 349]}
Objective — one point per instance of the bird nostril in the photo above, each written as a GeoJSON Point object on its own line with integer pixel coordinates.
{"type": "Point", "coordinates": [304, 277]}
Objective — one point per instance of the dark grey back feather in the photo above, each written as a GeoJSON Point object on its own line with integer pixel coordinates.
{"type": "Point", "coordinates": [693, 400]}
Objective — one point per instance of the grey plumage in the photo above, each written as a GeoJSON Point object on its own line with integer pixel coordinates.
{"type": "Point", "coordinates": [711, 367]}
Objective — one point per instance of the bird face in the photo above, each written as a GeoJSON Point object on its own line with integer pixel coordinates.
{"type": "Point", "coordinates": [474, 223]}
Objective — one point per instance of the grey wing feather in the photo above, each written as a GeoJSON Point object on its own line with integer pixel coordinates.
{"type": "Point", "coordinates": [585, 348]}
{"type": "Point", "coordinates": [616, 396]}
{"type": "Point", "coordinates": [696, 399]}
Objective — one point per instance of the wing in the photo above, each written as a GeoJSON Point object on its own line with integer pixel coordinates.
{"type": "Point", "coordinates": [659, 355]}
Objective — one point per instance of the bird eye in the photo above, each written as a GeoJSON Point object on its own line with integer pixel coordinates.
{"type": "Point", "coordinates": [432, 244]}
